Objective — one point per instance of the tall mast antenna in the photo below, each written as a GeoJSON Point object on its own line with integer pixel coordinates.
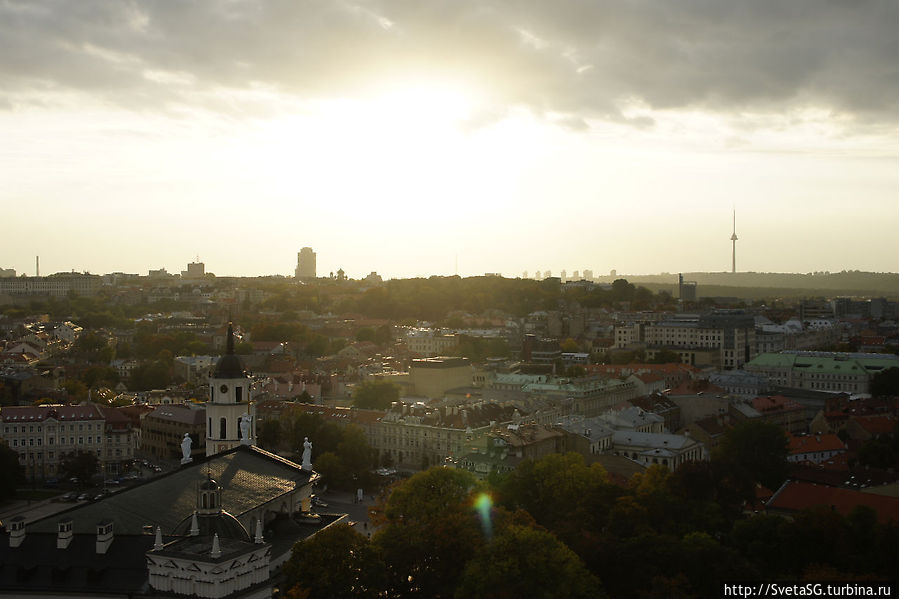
{"type": "Point", "coordinates": [733, 239]}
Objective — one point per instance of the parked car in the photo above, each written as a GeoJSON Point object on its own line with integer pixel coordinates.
{"type": "Point", "coordinates": [68, 497]}
{"type": "Point", "coordinates": [84, 497]}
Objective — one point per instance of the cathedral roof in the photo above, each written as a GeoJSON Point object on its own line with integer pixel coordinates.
{"type": "Point", "coordinates": [250, 477]}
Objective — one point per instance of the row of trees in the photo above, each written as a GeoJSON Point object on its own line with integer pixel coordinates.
{"type": "Point", "coordinates": [559, 527]}
{"type": "Point", "coordinates": [341, 454]}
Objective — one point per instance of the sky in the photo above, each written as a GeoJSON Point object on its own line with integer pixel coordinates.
{"type": "Point", "coordinates": [440, 137]}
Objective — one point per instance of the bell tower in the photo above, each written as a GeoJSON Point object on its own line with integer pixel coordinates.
{"type": "Point", "coordinates": [230, 416]}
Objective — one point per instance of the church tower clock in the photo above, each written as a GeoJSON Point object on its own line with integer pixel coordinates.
{"type": "Point", "coordinates": [230, 416]}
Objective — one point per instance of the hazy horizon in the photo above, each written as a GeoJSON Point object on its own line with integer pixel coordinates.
{"type": "Point", "coordinates": [425, 138]}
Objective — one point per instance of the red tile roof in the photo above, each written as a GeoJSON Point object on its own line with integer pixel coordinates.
{"type": "Point", "coordinates": [41, 413]}
{"type": "Point", "coordinates": [775, 403]}
{"type": "Point", "coordinates": [815, 443]}
{"type": "Point", "coordinates": [794, 496]}
{"type": "Point", "coordinates": [877, 425]}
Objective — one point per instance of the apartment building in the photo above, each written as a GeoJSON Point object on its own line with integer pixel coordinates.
{"type": "Point", "coordinates": [43, 435]}
{"type": "Point", "coordinates": [58, 285]}
{"type": "Point", "coordinates": [822, 371]}
{"type": "Point", "coordinates": [724, 338]}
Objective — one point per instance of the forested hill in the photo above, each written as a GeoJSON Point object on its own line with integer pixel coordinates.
{"type": "Point", "coordinates": [849, 282]}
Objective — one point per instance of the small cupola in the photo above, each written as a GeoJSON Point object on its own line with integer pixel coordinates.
{"type": "Point", "coordinates": [209, 498]}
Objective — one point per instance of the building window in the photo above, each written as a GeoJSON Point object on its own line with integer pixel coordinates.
{"type": "Point", "coordinates": [223, 431]}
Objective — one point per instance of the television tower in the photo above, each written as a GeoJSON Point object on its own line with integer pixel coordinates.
{"type": "Point", "coordinates": [733, 239]}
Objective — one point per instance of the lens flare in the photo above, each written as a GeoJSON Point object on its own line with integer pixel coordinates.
{"type": "Point", "coordinates": [484, 506]}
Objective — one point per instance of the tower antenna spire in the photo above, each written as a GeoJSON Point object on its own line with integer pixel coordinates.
{"type": "Point", "coordinates": [733, 239]}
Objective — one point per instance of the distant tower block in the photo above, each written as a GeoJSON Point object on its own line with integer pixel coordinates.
{"type": "Point", "coordinates": [305, 264]}
{"type": "Point", "coordinates": [733, 239]}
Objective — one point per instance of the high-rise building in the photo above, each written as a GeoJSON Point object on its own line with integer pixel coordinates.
{"type": "Point", "coordinates": [195, 270]}
{"type": "Point", "coordinates": [305, 264]}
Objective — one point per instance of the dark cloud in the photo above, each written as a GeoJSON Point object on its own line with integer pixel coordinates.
{"type": "Point", "coordinates": [583, 59]}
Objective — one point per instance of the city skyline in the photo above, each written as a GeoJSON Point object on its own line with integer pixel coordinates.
{"type": "Point", "coordinates": [437, 139]}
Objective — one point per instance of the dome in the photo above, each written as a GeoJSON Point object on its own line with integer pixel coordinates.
{"type": "Point", "coordinates": [222, 523]}
{"type": "Point", "coordinates": [209, 485]}
{"type": "Point", "coordinates": [229, 366]}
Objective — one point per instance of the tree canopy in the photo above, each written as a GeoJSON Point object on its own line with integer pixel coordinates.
{"type": "Point", "coordinates": [13, 473]}
{"type": "Point", "coordinates": [375, 395]}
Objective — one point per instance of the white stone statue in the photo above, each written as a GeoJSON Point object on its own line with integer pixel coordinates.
{"type": "Point", "coordinates": [186, 442]}
{"type": "Point", "coordinates": [245, 422]}
{"type": "Point", "coordinates": [307, 454]}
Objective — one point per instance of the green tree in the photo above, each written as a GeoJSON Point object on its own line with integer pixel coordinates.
{"type": "Point", "coordinates": [150, 375]}
{"type": "Point", "coordinates": [365, 334]}
{"type": "Point", "coordinates": [527, 562]}
{"type": "Point", "coordinates": [878, 453]}
{"type": "Point", "coordinates": [375, 395]}
{"type": "Point", "coordinates": [555, 490]}
{"type": "Point", "coordinates": [337, 562]}
{"type": "Point", "coordinates": [269, 434]}
{"type": "Point", "coordinates": [759, 448]}
{"type": "Point", "coordinates": [885, 382]}
{"type": "Point", "coordinates": [622, 291]}
{"type": "Point", "coordinates": [428, 532]}
{"type": "Point", "coordinates": [75, 390]}
{"type": "Point", "coordinates": [666, 356]}
{"type": "Point", "coordinates": [355, 452]}
{"type": "Point", "coordinates": [332, 470]}
{"type": "Point", "coordinates": [13, 472]}
{"type": "Point", "coordinates": [569, 345]}
{"type": "Point", "coordinates": [81, 464]}
{"type": "Point", "coordinates": [99, 375]}
{"type": "Point", "coordinates": [88, 346]}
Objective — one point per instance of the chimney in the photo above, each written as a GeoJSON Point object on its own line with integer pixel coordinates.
{"type": "Point", "coordinates": [16, 528]}
{"type": "Point", "coordinates": [104, 536]}
{"type": "Point", "coordinates": [64, 534]}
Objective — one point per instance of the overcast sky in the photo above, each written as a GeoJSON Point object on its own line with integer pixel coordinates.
{"type": "Point", "coordinates": [419, 137]}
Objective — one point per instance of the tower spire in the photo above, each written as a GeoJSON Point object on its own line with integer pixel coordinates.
{"type": "Point", "coordinates": [733, 239]}
{"type": "Point", "coordinates": [230, 342]}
